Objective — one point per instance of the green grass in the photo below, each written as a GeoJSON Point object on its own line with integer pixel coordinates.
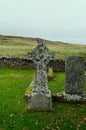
{"type": "Point", "coordinates": [13, 113]}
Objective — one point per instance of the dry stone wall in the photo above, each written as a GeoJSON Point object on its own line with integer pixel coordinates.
{"type": "Point", "coordinates": [24, 62]}
{"type": "Point", "coordinates": [57, 65]}
{"type": "Point", "coordinates": [15, 62]}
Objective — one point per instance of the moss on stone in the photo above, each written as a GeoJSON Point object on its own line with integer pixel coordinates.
{"type": "Point", "coordinates": [29, 90]}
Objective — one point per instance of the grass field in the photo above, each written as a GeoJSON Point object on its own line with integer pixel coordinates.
{"type": "Point", "coordinates": [19, 46]}
{"type": "Point", "coordinates": [13, 112]}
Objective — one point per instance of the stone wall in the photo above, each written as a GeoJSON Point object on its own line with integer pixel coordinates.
{"type": "Point", "coordinates": [23, 62]}
{"type": "Point", "coordinates": [57, 65]}
{"type": "Point", "coordinates": [15, 62]}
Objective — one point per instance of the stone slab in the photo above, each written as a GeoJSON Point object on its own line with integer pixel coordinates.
{"type": "Point", "coordinates": [74, 75]}
{"type": "Point", "coordinates": [74, 98]}
{"type": "Point", "coordinates": [40, 101]}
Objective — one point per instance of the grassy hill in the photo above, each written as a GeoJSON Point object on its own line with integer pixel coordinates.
{"type": "Point", "coordinates": [19, 46]}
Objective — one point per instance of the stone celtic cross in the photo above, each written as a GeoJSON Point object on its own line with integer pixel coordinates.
{"type": "Point", "coordinates": [41, 95]}
{"type": "Point", "coordinates": [41, 57]}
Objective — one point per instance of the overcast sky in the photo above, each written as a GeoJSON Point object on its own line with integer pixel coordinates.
{"type": "Point", "coordinates": [59, 20]}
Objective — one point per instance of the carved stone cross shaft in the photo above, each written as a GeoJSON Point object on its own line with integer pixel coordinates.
{"type": "Point", "coordinates": [41, 57]}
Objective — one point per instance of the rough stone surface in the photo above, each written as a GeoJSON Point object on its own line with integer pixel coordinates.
{"type": "Point", "coordinates": [74, 75]}
{"type": "Point", "coordinates": [41, 101]}
{"type": "Point", "coordinates": [41, 57]}
{"type": "Point", "coordinates": [16, 62]}
{"type": "Point", "coordinates": [58, 65]}
{"type": "Point", "coordinates": [41, 95]}
{"type": "Point", "coordinates": [75, 98]}
{"type": "Point", "coordinates": [64, 98]}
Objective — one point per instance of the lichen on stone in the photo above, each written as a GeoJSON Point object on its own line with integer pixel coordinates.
{"type": "Point", "coordinates": [72, 97]}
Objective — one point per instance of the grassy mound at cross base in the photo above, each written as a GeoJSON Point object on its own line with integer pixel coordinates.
{"type": "Point", "coordinates": [13, 113]}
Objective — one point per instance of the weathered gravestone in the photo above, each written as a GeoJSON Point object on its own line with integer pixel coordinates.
{"type": "Point", "coordinates": [74, 75]}
{"type": "Point", "coordinates": [74, 78]}
{"type": "Point", "coordinates": [41, 95]}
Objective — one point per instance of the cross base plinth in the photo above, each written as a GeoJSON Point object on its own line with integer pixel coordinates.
{"type": "Point", "coordinates": [40, 101]}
